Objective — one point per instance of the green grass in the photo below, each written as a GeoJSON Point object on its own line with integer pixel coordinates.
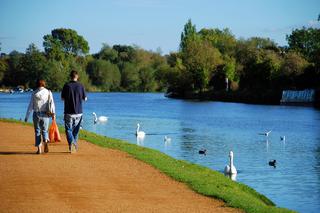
{"type": "Point", "coordinates": [200, 179]}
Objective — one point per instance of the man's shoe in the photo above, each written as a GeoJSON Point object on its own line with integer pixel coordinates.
{"type": "Point", "coordinates": [46, 147]}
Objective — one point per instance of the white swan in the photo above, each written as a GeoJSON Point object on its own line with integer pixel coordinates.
{"type": "Point", "coordinates": [230, 169]}
{"type": "Point", "coordinates": [167, 139]}
{"type": "Point", "coordinates": [266, 133]}
{"type": "Point", "coordinates": [100, 118]}
{"type": "Point", "coordinates": [140, 134]}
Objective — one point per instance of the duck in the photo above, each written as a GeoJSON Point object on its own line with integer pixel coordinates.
{"type": "Point", "coordinates": [100, 119]}
{"type": "Point", "coordinates": [282, 138]}
{"type": "Point", "coordinates": [140, 134]}
{"type": "Point", "coordinates": [230, 169]}
{"type": "Point", "coordinates": [272, 163]}
{"type": "Point", "coordinates": [203, 152]}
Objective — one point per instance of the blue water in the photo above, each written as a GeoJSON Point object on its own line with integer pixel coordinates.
{"type": "Point", "coordinates": [217, 127]}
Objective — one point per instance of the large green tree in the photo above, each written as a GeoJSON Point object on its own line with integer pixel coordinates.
{"type": "Point", "coordinates": [307, 42]}
{"type": "Point", "coordinates": [200, 59]}
{"type": "Point", "coordinates": [64, 41]}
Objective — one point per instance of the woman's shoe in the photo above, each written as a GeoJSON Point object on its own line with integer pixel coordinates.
{"type": "Point", "coordinates": [39, 149]}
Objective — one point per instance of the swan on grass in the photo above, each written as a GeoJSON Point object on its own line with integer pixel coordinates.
{"type": "Point", "coordinates": [140, 134]}
{"type": "Point", "coordinates": [230, 169]}
{"type": "Point", "coordinates": [100, 119]}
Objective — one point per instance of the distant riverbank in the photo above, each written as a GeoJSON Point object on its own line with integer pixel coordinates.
{"type": "Point", "coordinates": [266, 98]}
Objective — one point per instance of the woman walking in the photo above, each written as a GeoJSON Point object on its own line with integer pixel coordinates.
{"type": "Point", "coordinates": [43, 108]}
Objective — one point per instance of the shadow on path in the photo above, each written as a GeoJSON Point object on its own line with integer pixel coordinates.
{"type": "Point", "coordinates": [31, 153]}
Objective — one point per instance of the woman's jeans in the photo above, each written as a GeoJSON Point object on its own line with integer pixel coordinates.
{"type": "Point", "coordinates": [72, 125]}
{"type": "Point", "coordinates": [41, 124]}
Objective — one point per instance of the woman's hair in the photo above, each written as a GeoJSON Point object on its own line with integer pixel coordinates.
{"type": "Point", "coordinates": [41, 83]}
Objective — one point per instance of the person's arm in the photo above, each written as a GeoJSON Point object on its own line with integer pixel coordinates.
{"type": "Point", "coordinates": [84, 95]}
{"type": "Point", "coordinates": [63, 93]}
{"type": "Point", "coordinates": [53, 107]}
{"type": "Point", "coordinates": [30, 108]}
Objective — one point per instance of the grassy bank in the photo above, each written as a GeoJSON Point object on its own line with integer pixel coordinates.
{"type": "Point", "coordinates": [201, 179]}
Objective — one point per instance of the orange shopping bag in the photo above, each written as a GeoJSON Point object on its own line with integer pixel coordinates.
{"type": "Point", "coordinates": [54, 134]}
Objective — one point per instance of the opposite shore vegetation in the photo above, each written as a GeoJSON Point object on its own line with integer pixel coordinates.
{"type": "Point", "coordinates": [200, 179]}
{"type": "Point", "coordinates": [210, 64]}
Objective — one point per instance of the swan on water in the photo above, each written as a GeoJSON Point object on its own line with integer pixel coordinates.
{"type": "Point", "coordinates": [167, 139]}
{"type": "Point", "coordinates": [230, 169]}
{"type": "Point", "coordinates": [140, 134]}
{"type": "Point", "coordinates": [265, 133]}
{"type": "Point", "coordinates": [100, 118]}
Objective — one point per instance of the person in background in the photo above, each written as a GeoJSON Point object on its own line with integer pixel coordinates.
{"type": "Point", "coordinates": [42, 105]}
{"type": "Point", "coordinates": [73, 94]}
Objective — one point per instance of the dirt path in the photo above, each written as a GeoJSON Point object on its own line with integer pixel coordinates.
{"type": "Point", "coordinates": [93, 180]}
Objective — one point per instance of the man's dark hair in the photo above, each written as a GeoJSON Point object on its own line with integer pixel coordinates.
{"type": "Point", "coordinates": [73, 74]}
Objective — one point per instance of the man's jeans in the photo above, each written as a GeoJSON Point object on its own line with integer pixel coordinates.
{"type": "Point", "coordinates": [41, 124]}
{"type": "Point", "coordinates": [72, 126]}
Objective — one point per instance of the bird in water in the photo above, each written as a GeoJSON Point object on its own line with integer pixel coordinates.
{"type": "Point", "coordinates": [265, 133]}
{"type": "Point", "coordinates": [230, 169]}
{"type": "Point", "coordinates": [100, 119]}
{"type": "Point", "coordinates": [167, 139]}
{"type": "Point", "coordinates": [203, 152]}
{"type": "Point", "coordinates": [273, 163]}
{"type": "Point", "coordinates": [282, 138]}
{"type": "Point", "coordinates": [140, 134]}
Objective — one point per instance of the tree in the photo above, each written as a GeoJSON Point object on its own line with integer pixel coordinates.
{"type": "Point", "coordinates": [130, 79]}
{"type": "Point", "coordinates": [200, 59]}
{"type": "Point", "coordinates": [65, 41]}
{"type": "Point", "coordinates": [33, 66]}
{"type": "Point", "coordinates": [14, 76]}
{"type": "Point", "coordinates": [305, 41]}
{"type": "Point", "coordinates": [3, 70]}
{"type": "Point", "coordinates": [189, 34]}
{"type": "Point", "coordinates": [108, 53]}
{"type": "Point", "coordinates": [293, 66]}
{"type": "Point", "coordinates": [104, 74]}
{"type": "Point", "coordinates": [57, 75]}
{"type": "Point", "coordinates": [147, 82]}
{"type": "Point", "coordinates": [223, 40]}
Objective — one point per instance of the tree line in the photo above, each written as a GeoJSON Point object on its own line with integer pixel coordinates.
{"type": "Point", "coordinates": [116, 68]}
{"type": "Point", "coordinates": [210, 63]}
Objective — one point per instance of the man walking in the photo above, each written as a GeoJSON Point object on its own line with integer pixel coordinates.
{"type": "Point", "coordinates": [73, 93]}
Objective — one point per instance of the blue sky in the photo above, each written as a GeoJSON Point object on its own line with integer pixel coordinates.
{"type": "Point", "coordinates": [149, 23]}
